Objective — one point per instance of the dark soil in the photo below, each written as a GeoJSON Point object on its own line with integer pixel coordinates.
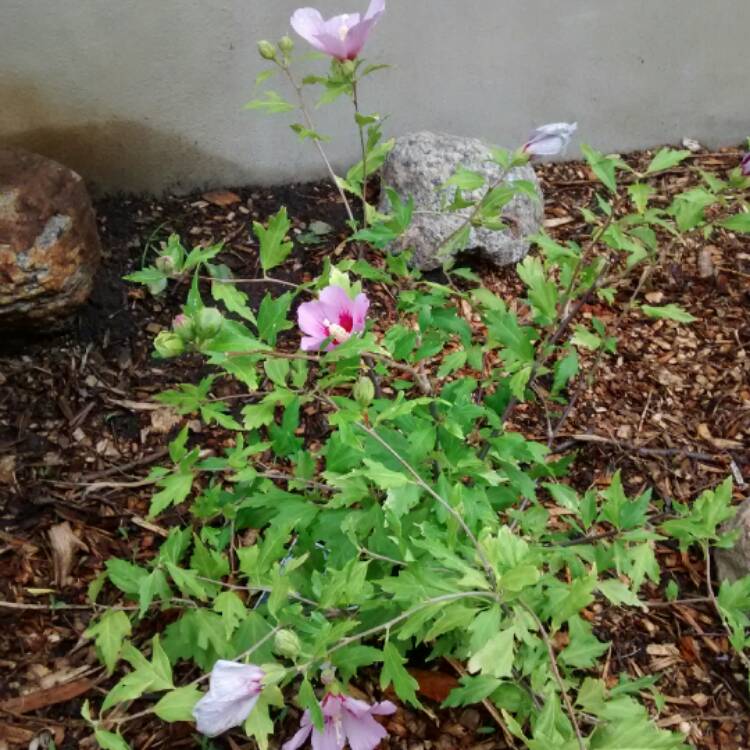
{"type": "Point", "coordinates": [78, 433]}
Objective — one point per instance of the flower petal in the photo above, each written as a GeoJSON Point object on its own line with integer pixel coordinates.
{"type": "Point", "coordinates": [362, 732]}
{"type": "Point", "coordinates": [359, 312]}
{"type": "Point", "coordinates": [231, 680]}
{"type": "Point", "coordinates": [299, 738]}
{"type": "Point", "coordinates": [308, 22]}
{"type": "Point", "coordinates": [311, 317]}
{"type": "Point", "coordinates": [311, 343]}
{"type": "Point", "coordinates": [214, 716]}
{"type": "Point", "coordinates": [356, 38]}
{"type": "Point", "coordinates": [376, 9]}
{"type": "Point", "coordinates": [336, 301]}
{"type": "Point", "coordinates": [329, 739]}
{"type": "Point", "coordinates": [384, 708]}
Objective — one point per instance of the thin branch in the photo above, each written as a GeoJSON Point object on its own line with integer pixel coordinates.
{"type": "Point", "coordinates": [311, 126]}
{"type": "Point", "coordinates": [441, 500]}
{"type": "Point", "coordinates": [558, 677]}
{"type": "Point", "coordinates": [712, 596]}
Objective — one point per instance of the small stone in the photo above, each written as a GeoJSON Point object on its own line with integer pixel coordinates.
{"type": "Point", "coordinates": [734, 563]}
{"type": "Point", "coordinates": [420, 163]}
{"type": "Point", "coordinates": [49, 246]}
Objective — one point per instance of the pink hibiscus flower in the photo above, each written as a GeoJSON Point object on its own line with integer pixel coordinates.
{"type": "Point", "coordinates": [334, 315]}
{"type": "Point", "coordinates": [342, 37]}
{"type": "Point", "coordinates": [550, 140]}
{"type": "Point", "coordinates": [346, 720]}
{"type": "Point", "coordinates": [233, 691]}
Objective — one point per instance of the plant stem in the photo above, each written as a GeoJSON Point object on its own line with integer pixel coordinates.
{"type": "Point", "coordinates": [489, 572]}
{"type": "Point", "coordinates": [363, 145]}
{"type": "Point", "coordinates": [712, 596]}
{"type": "Point", "coordinates": [311, 126]}
{"type": "Point", "coordinates": [473, 215]}
{"type": "Point", "coordinates": [558, 677]}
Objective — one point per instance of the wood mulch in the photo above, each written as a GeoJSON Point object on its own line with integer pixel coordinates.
{"type": "Point", "coordinates": [78, 433]}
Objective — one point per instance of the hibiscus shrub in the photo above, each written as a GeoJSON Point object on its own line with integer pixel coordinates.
{"type": "Point", "coordinates": [369, 499]}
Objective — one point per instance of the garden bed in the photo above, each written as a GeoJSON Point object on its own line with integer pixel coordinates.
{"type": "Point", "coordinates": [79, 432]}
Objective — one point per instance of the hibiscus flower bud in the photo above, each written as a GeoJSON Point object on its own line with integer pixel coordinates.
{"type": "Point", "coordinates": [267, 50]}
{"type": "Point", "coordinates": [208, 322]}
{"type": "Point", "coordinates": [166, 264]}
{"type": "Point", "coordinates": [745, 165]}
{"type": "Point", "coordinates": [287, 644]}
{"type": "Point", "coordinates": [364, 392]}
{"type": "Point", "coordinates": [184, 327]}
{"type": "Point", "coordinates": [286, 44]}
{"type": "Point", "coordinates": [169, 344]}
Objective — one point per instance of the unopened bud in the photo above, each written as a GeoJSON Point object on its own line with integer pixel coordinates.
{"type": "Point", "coordinates": [349, 67]}
{"type": "Point", "coordinates": [267, 50]}
{"type": "Point", "coordinates": [364, 391]}
{"type": "Point", "coordinates": [184, 327]}
{"type": "Point", "coordinates": [287, 644]}
{"type": "Point", "coordinates": [208, 322]}
{"type": "Point", "coordinates": [166, 264]}
{"type": "Point", "coordinates": [286, 44]}
{"type": "Point", "coordinates": [169, 344]}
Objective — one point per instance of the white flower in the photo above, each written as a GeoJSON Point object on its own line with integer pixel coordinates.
{"type": "Point", "coordinates": [232, 694]}
{"type": "Point", "coordinates": [550, 140]}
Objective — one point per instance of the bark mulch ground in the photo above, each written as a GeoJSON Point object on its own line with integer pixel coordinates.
{"type": "Point", "coordinates": [78, 433]}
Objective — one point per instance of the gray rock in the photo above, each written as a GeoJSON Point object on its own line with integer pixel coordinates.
{"type": "Point", "coordinates": [49, 246]}
{"type": "Point", "coordinates": [420, 163]}
{"type": "Point", "coordinates": [734, 563]}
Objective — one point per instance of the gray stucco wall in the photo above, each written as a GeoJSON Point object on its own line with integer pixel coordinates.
{"type": "Point", "coordinates": [147, 94]}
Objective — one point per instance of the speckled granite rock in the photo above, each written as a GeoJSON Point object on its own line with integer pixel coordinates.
{"type": "Point", "coordinates": [49, 247]}
{"type": "Point", "coordinates": [734, 563]}
{"type": "Point", "coordinates": [420, 163]}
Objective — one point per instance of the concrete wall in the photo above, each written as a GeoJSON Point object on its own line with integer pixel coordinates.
{"type": "Point", "coordinates": [147, 94]}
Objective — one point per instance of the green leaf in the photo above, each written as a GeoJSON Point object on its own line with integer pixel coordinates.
{"type": "Point", "coordinates": [465, 179]}
{"type": "Point", "coordinates": [383, 477]}
{"type": "Point", "coordinates": [110, 740]}
{"type": "Point", "coordinates": [126, 576]}
{"type": "Point", "coordinates": [259, 724]}
{"type": "Point", "coordinates": [640, 194]}
{"type": "Point", "coordinates": [277, 370]}
{"type": "Point", "coordinates": [307, 699]}
{"type": "Point", "coordinates": [393, 672]}
{"type": "Point", "coordinates": [583, 648]}
{"type": "Point", "coordinates": [666, 159]}
{"type": "Point", "coordinates": [618, 593]}
{"type": "Point", "coordinates": [272, 103]}
{"type": "Point", "coordinates": [234, 300]}
{"type": "Point", "coordinates": [688, 208]}
{"type": "Point", "coordinates": [109, 634]}
{"type": "Point", "coordinates": [232, 611]}
{"type": "Point", "coordinates": [737, 223]}
{"type": "Point", "coordinates": [565, 369]}
{"type": "Point", "coordinates": [669, 312]}
{"type": "Point", "coordinates": [473, 690]}
{"type": "Point", "coordinates": [274, 249]}
{"type": "Point", "coordinates": [272, 318]}
{"type": "Point", "coordinates": [495, 658]}
{"type": "Point", "coordinates": [178, 704]}
{"type": "Point", "coordinates": [174, 489]}
{"type": "Point", "coordinates": [582, 337]}
{"type": "Point", "coordinates": [602, 166]}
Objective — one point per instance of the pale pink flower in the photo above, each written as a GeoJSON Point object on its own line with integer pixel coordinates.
{"type": "Point", "coordinates": [745, 165]}
{"type": "Point", "coordinates": [232, 694]}
{"type": "Point", "coordinates": [346, 720]}
{"type": "Point", "coordinates": [334, 315]}
{"type": "Point", "coordinates": [550, 140]}
{"type": "Point", "coordinates": [342, 36]}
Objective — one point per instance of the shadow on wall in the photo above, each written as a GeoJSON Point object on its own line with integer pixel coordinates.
{"type": "Point", "coordinates": [112, 155]}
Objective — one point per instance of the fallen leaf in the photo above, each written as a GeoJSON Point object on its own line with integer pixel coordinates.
{"type": "Point", "coordinates": [64, 545]}
{"type": "Point", "coordinates": [434, 685]}
{"type": "Point", "coordinates": [163, 420]}
{"type": "Point", "coordinates": [222, 197]}
{"type": "Point", "coordinates": [49, 697]}
{"type": "Point", "coordinates": [7, 469]}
